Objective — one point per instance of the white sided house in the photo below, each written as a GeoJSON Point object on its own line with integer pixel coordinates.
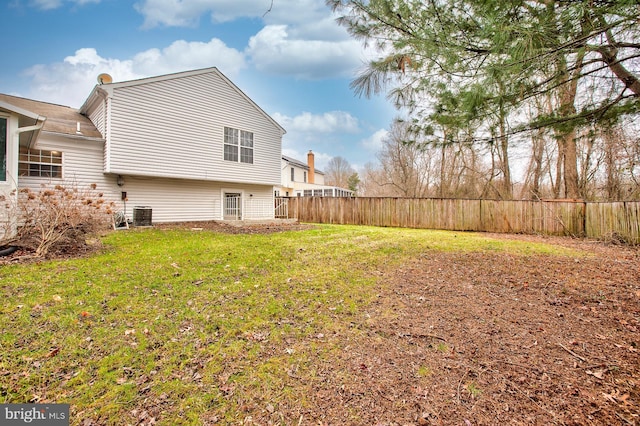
{"type": "Point", "coordinates": [304, 180]}
{"type": "Point", "coordinates": [189, 146]}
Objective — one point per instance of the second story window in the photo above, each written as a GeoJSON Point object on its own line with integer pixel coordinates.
{"type": "Point", "coordinates": [231, 144]}
{"type": "Point", "coordinates": [292, 175]}
{"type": "Point", "coordinates": [246, 147]}
{"type": "Point", "coordinates": [238, 145]}
{"type": "Point", "coordinates": [305, 177]}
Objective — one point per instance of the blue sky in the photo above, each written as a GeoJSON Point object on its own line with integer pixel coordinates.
{"type": "Point", "coordinates": [293, 60]}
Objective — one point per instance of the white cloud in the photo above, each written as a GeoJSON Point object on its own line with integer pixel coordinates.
{"type": "Point", "coordinates": [47, 4]}
{"type": "Point", "coordinates": [179, 13]}
{"type": "Point", "coordinates": [69, 82]}
{"type": "Point", "coordinates": [320, 159]}
{"type": "Point", "coordinates": [300, 39]}
{"type": "Point", "coordinates": [329, 122]}
{"type": "Point", "coordinates": [320, 28]}
{"type": "Point", "coordinates": [273, 50]}
{"type": "Point", "coordinates": [171, 13]}
{"type": "Point", "coordinates": [374, 142]}
{"type": "Point", "coordinates": [176, 13]}
{"type": "Point", "coordinates": [325, 134]}
{"type": "Point", "coordinates": [182, 55]}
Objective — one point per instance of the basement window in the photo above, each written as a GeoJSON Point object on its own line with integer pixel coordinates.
{"type": "Point", "coordinates": [40, 163]}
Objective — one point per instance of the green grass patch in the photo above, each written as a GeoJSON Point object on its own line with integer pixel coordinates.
{"type": "Point", "coordinates": [197, 325]}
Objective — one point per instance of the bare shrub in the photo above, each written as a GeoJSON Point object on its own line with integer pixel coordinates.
{"type": "Point", "coordinates": [59, 217]}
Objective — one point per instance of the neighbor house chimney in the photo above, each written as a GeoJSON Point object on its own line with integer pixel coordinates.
{"type": "Point", "coordinates": [311, 164]}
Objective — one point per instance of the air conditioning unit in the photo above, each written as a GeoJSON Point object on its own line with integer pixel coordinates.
{"type": "Point", "coordinates": [141, 216]}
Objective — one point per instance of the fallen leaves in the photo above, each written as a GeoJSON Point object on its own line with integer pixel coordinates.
{"type": "Point", "coordinates": [598, 374]}
{"type": "Point", "coordinates": [53, 352]}
{"type": "Point", "coordinates": [616, 398]}
{"type": "Point", "coordinates": [257, 336]}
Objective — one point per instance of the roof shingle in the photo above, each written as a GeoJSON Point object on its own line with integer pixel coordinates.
{"type": "Point", "coordinates": [59, 118]}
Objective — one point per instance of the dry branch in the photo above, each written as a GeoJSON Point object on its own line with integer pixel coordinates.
{"type": "Point", "coordinates": [572, 352]}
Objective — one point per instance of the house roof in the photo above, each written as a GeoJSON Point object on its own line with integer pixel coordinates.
{"type": "Point", "coordinates": [300, 164]}
{"type": "Point", "coordinates": [58, 118]}
{"type": "Point", "coordinates": [107, 88]}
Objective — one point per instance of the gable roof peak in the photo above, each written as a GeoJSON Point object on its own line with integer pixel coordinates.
{"type": "Point", "coordinates": [107, 89]}
{"type": "Point", "coordinates": [144, 80]}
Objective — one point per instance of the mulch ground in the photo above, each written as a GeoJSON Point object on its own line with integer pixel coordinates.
{"type": "Point", "coordinates": [488, 339]}
{"type": "Point", "coordinates": [484, 339]}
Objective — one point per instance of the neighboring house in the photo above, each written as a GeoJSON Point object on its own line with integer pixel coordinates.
{"type": "Point", "coordinates": [187, 146]}
{"type": "Point", "coordinates": [304, 180]}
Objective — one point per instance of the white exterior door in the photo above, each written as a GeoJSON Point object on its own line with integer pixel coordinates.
{"type": "Point", "coordinates": [232, 206]}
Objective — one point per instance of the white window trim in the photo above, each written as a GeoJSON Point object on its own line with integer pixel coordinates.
{"type": "Point", "coordinates": [239, 146]}
{"type": "Point", "coordinates": [7, 151]}
{"type": "Point", "coordinates": [51, 164]}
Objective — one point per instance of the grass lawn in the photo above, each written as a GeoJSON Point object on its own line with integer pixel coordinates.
{"type": "Point", "coordinates": [196, 327]}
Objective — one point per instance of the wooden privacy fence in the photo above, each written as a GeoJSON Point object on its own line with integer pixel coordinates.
{"type": "Point", "coordinates": [618, 220]}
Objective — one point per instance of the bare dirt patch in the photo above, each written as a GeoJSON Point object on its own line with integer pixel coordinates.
{"type": "Point", "coordinates": [485, 339]}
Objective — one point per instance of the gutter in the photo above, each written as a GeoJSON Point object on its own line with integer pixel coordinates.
{"type": "Point", "coordinates": [34, 128]}
{"type": "Point", "coordinates": [72, 136]}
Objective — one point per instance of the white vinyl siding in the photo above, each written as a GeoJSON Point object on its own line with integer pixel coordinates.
{"type": "Point", "coordinates": [175, 200]}
{"type": "Point", "coordinates": [174, 128]}
{"type": "Point", "coordinates": [171, 200]}
{"type": "Point", "coordinates": [98, 117]}
{"type": "Point", "coordinates": [9, 159]}
{"type": "Point", "coordinates": [82, 165]}
{"type": "Point", "coordinates": [3, 149]}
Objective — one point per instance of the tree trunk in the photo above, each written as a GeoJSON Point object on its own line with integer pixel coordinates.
{"type": "Point", "coordinates": [506, 192]}
{"type": "Point", "coordinates": [559, 170]}
{"type": "Point", "coordinates": [571, 187]}
{"type": "Point", "coordinates": [442, 171]}
{"type": "Point", "coordinates": [535, 171]}
{"type": "Point", "coordinates": [611, 158]}
{"type": "Point", "coordinates": [568, 90]}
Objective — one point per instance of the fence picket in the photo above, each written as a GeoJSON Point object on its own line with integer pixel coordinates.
{"type": "Point", "coordinates": [599, 220]}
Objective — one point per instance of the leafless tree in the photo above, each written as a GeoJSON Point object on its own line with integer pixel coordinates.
{"type": "Point", "coordinates": [405, 162]}
{"type": "Point", "coordinates": [337, 172]}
